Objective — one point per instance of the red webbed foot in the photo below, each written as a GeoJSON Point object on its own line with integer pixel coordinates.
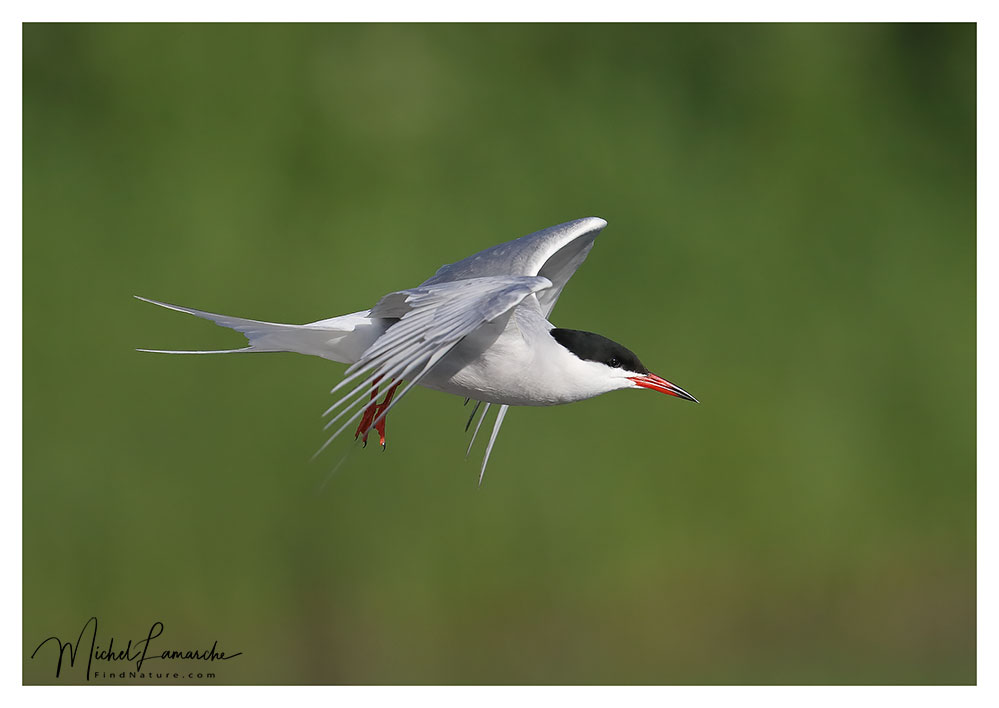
{"type": "Point", "coordinates": [369, 415]}
{"type": "Point", "coordinates": [380, 409]}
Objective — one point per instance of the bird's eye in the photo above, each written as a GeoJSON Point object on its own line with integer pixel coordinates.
{"type": "Point", "coordinates": [614, 362]}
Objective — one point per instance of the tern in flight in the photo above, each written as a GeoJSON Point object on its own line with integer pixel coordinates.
{"type": "Point", "coordinates": [478, 329]}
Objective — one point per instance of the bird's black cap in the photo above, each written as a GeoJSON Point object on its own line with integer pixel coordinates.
{"type": "Point", "coordinates": [594, 347]}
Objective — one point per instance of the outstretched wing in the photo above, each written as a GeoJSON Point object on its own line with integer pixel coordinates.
{"type": "Point", "coordinates": [554, 253]}
{"type": "Point", "coordinates": [433, 319]}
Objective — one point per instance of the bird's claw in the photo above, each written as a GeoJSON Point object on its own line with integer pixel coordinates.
{"type": "Point", "coordinates": [373, 417]}
{"type": "Point", "coordinates": [380, 425]}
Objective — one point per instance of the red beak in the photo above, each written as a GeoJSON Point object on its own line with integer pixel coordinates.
{"type": "Point", "coordinates": [657, 383]}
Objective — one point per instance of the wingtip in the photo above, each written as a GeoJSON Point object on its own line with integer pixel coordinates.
{"type": "Point", "coordinates": [580, 226]}
{"type": "Point", "coordinates": [593, 222]}
{"type": "Point", "coordinates": [157, 302]}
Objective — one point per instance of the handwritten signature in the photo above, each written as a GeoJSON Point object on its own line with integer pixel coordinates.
{"type": "Point", "coordinates": [138, 652]}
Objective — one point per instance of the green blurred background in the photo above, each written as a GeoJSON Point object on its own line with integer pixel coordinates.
{"type": "Point", "coordinates": [791, 238]}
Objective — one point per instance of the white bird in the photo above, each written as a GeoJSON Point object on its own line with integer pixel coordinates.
{"type": "Point", "coordinates": [478, 328]}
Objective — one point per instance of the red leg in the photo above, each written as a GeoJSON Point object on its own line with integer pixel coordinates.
{"type": "Point", "coordinates": [380, 424]}
{"type": "Point", "coordinates": [369, 415]}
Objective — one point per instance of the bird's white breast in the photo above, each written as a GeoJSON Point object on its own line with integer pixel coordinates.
{"type": "Point", "coordinates": [514, 361]}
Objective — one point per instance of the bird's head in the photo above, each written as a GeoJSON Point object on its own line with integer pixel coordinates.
{"type": "Point", "coordinates": [612, 366]}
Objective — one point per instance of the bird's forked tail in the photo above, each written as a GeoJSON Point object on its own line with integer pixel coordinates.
{"type": "Point", "coordinates": [330, 339]}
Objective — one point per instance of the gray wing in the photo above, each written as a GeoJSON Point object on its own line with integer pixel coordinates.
{"type": "Point", "coordinates": [554, 253]}
{"type": "Point", "coordinates": [433, 319]}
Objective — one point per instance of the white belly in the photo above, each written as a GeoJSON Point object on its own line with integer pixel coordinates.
{"type": "Point", "coordinates": [513, 362]}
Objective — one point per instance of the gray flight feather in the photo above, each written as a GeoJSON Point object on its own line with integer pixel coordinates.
{"type": "Point", "coordinates": [433, 319]}
{"type": "Point", "coordinates": [554, 253]}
